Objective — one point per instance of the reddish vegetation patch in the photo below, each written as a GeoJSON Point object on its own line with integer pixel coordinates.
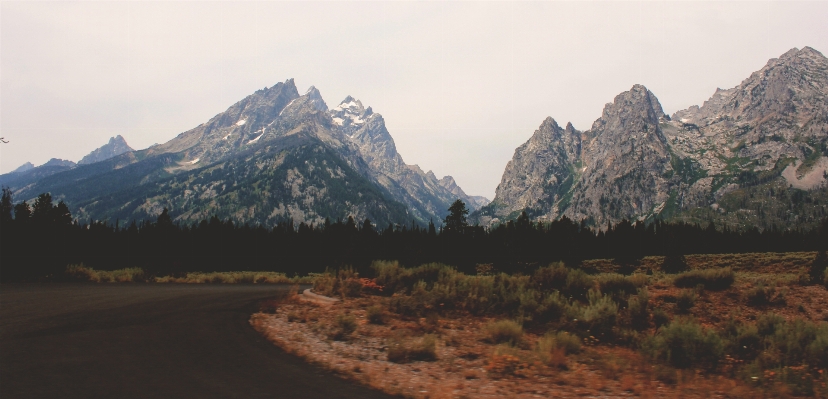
{"type": "Point", "coordinates": [469, 367]}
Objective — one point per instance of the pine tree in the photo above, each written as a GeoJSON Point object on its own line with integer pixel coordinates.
{"type": "Point", "coordinates": [6, 207]}
{"type": "Point", "coordinates": [42, 209]}
{"type": "Point", "coordinates": [456, 219]}
{"type": "Point", "coordinates": [22, 212]}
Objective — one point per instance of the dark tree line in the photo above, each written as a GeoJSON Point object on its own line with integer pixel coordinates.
{"type": "Point", "coordinates": [41, 239]}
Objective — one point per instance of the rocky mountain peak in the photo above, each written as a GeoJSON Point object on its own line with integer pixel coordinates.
{"type": "Point", "coordinates": [315, 99]}
{"type": "Point", "coordinates": [23, 168]}
{"type": "Point", "coordinates": [116, 146]}
{"type": "Point", "coordinates": [634, 113]}
{"type": "Point", "coordinates": [350, 115]}
{"type": "Point", "coordinates": [59, 162]}
{"type": "Point", "coordinates": [447, 182]}
{"type": "Point", "coordinates": [793, 83]}
{"type": "Point", "coordinates": [226, 132]}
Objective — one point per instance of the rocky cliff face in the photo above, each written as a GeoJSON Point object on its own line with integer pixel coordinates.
{"type": "Point", "coordinates": [116, 146]}
{"type": "Point", "coordinates": [426, 196]}
{"type": "Point", "coordinates": [541, 172]}
{"type": "Point", "coordinates": [709, 162]}
{"type": "Point", "coordinates": [625, 157]}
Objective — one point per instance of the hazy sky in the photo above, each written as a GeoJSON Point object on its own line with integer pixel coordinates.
{"type": "Point", "coordinates": [460, 84]}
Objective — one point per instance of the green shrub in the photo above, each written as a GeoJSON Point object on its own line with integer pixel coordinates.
{"type": "Point", "coordinates": [712, 279]}
{"type": "Point", "coordinates": [685, 344]}
{"type": "Point", "coordinates": [825, 278]}
{"type": "Point", "coordinates": [686, 300]}
{"type": "Point", "coordinates": [578, 284]}
{"type": "Point", "coordinates": [637, 308]}
{"type": "Point", "coordinates": [817, 350]}
{"type": "Point", "coordinates": [551, 308]}
{"type": "Point", "coordinates": [768, 323]}
{"type": "Point", "coordinates": [504, 331]}
{"type": "Point", "coordinates": [552, 277]}
{"type": "Point", "coordinates": [801, 342]}
{"type": "Point", "coordinates": [660, 318]}
{"type": "Point", "coordinates": [390, 275]}
{"type": "Point", "coordinates": [818, 268]}
{"type": "Point", "coordinates": [762, 295]}
{"type": "Point", "coordinates": [599, 316]}
{"type": "Point", "coordinates": [375, 315]}
{"type": "Point", "coordinates": [344, 326]}
{"type": "Point", "coordinates": [674, 264]}
{"type": "Point", "coordinates": [559, 340]}
{"type": "Point", "coordinates": [616, 285]}
{"type": "Point", "coordinates": [402, 350]}
{"type": "Point", "coordinates": [742, 340]}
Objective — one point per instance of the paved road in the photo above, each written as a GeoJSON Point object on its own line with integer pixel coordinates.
{"type": "Point", "coordinates": [148, 341]}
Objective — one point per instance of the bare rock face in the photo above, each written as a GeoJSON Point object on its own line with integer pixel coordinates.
{"type": "Point", "coordinates": [116, 146]}
{"type": "Point", "coordinates": [427, 197]}
{"type": "Point", "coordinates": [625, 157]}
{"type": "Point", "coordinates": [230, 131]}
{"type": "Point", "coordinates": [541, 172]}
{"type": "Point", "coordinates": [778, 112]}
{"type": "Point", "coordinates": [636, 163]}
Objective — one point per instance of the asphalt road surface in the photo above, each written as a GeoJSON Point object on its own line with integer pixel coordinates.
{"type": "Point", "coordinates": [149, 341]}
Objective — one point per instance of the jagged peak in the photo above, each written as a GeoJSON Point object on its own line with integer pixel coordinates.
{"type": "Point", "coordinates": [550, 122]}
{"type": "Point", "coordinates": [646, 95]}
{"type": "Point", "coordinates": [22, 168]}
{"type": "Point", "coordinates": [351, 104]}
{"type": "Point", "coordinates": [811, 50]}
{"type": "Point", "coordinates": [790, 53]}
{"type": "Point", "coordinates": [315, 99]}
{"type": "Point", "coordinates": [639, 88]}
{"type": "Point", "coordinates": [448, 181]}
{"type": "Point", "coordinates": [570, 128]}
{"type": "Point", "coordinates": [59, 162]}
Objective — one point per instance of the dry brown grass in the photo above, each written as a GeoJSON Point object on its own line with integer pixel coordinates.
{"type": "Point", "coordinates": [83, 273]}
{"type": "Point", "coordinates": [136, 274]}
{"type": "Point", "coordinates": [236, 278]}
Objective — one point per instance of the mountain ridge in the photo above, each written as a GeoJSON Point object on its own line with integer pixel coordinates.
{"type": "Point", "coordinates": [254, 138]}
{"type": "Point", "coordinates": [762, 137]}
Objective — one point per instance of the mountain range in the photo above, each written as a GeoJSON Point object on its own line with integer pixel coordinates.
{"type": "Point", "coordinates": [274, 156]}
{"type": "Point", "coordinates": [755, 155]}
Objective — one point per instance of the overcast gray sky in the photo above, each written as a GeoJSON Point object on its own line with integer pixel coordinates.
{"type": "Point", "coordinates": [460, 84]}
